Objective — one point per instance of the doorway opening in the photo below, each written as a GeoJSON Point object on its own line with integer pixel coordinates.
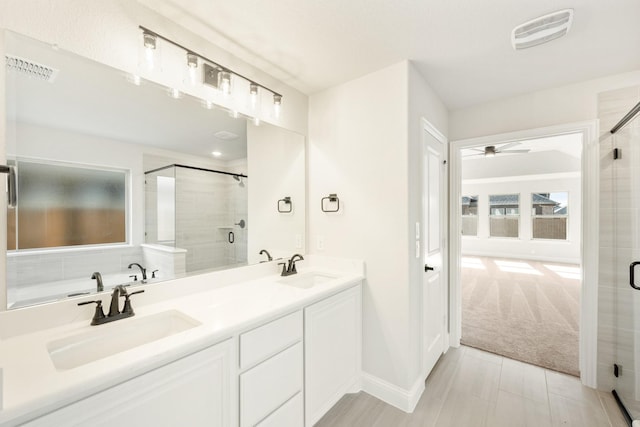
{"type": "Point", "coordinates": [517, 245]}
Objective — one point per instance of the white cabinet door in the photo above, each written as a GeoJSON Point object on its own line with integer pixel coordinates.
{"type": "Point", "coordinates": [332, 337]}
{"type": "Point", "coordinates": [192, 391]}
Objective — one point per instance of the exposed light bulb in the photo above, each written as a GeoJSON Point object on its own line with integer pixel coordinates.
{"type": "Point", "coordinates": [256, 121]}
{"type": "Point", "coordinates": [225, 82]}
{"type": "Point", "coordinates": [149, 41]}
{"type": "Point", "coordinates": [208, 104]}
{"type": "Point", "coordinates": [277, 105]}
{"type": "Point", "coordinates": [253, 94]}
{"type": "Point", "coordinates": [216, 153]}
{"type": "Point", "coordinates": [192, 67]}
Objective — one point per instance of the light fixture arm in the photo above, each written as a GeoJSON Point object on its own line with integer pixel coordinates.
{"type": "Point", "coordinates": [204, 58]}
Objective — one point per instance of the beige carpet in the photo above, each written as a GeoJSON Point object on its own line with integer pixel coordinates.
{"type": "Point", "coordinates": [524, 310]}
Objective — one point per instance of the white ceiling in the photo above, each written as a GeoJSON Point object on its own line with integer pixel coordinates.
{"type": "Point", "coordinates": [461, 47]}
{"type": "Point", "coordinates": [558, 154]}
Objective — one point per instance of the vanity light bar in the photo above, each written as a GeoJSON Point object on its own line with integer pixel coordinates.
{"type": "Point", "coordinates": [224, 72]}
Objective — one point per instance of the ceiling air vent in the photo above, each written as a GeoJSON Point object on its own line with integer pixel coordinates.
{"type": "Point", "coordinates": [541, 30]}
{"type": "Point", "coordinates": [30, 68]}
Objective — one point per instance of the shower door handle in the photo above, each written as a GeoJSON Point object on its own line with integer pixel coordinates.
{"type": "Point", "coordinates": [12, 193]}
{"type": "Point", "coordinates": [632, 268]}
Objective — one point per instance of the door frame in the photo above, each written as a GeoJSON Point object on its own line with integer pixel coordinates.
{"type": "Point", "coordinates": [590, 173]}
{"type": "Point", "coordinates": [427, 126]}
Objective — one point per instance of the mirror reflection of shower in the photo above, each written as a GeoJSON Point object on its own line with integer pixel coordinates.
{"type": "Point", "coordinates": [239, 179]}
{"type": "Point", "coordinates": [194, 211]}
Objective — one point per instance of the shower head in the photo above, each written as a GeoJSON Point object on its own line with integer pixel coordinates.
{"type": "Point", "coordinates": [239, 179]}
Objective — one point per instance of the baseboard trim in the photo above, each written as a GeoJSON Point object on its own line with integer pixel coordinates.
{"type": "Point", "coordinates": [405, 400]}
{"type": "Point", "coordinates": [525, 257]}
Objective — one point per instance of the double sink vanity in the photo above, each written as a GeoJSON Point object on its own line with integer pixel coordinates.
{"type": "Point", "coordinates": [238, 347]}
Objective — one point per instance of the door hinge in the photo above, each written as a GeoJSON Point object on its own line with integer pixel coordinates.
{"type": "Point", "coordinates": [617, 370]}
{"type": "Point", "coordinates": [617, 154]}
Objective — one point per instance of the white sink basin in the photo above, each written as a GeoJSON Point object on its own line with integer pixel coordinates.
{"type": "Point", "coordinates": [106, 340]}
{"type": "Point", "coordinates": [306, 280]}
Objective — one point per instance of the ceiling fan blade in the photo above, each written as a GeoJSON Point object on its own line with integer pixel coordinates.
{"type": "Point", "coordinates": [509, 145]}
{"type": "Point", "coordinates": [513, 151]}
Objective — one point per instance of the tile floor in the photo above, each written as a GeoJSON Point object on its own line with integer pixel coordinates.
{"type": "Point", "coordinates": [473, 388]}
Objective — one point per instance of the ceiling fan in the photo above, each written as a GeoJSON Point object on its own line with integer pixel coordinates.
{"type": "Point", "coordinates": [492, 150]}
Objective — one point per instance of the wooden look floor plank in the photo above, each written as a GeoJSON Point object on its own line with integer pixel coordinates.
{"type": "Point", "coordinates": [469, 387]}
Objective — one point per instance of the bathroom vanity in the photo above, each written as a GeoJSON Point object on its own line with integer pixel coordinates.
{"type": "Point", "coordinates": [257, 349]}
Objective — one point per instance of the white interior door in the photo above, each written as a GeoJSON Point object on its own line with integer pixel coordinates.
{"type": "Point", "coordinates": [434, 294]}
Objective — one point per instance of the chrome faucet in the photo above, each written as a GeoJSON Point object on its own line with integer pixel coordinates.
{"type": "Point", "coordinates": [142, 270]}
{"type": "Point", "coordinates": [98, 278]}
{"type": "Point", "coordinates": [266, 252]}
{"type": "Point", "coordinates": [114, 309]}
{"type": "Point", "coordinates": [290, 268]}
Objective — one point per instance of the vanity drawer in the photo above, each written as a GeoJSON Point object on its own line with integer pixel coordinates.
{"type": "Point", "coordinates": [266, 387]}
{"type": "Point", "coordinates": [267, 340]}
{"type": "Point", "coordinates": [288, 415]}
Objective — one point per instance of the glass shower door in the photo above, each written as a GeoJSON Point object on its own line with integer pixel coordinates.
{"type": "Point", "coordinates": [625, 189]}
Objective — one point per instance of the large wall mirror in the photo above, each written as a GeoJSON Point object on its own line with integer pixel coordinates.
{"type": "Point", "coordinates": [116, 174]}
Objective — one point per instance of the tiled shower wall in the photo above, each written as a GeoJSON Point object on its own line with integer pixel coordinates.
{"type": "Point", "coordinates": [618, 324]}
{"type": "Point", "coordinates": [208, 207]}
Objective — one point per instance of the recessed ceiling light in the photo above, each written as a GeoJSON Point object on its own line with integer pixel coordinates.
{"type": "Point", "coordinates": [216, 153]}
{"type": "Point", "coordinates": [542, 30]}
{"type": "Point", "coordinates": [225, 135]}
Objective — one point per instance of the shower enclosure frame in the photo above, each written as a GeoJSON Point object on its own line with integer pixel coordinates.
{"type": "Point", "coordinates": [228, 227]}
{"type": "Point", "coordinates": [628, 118]}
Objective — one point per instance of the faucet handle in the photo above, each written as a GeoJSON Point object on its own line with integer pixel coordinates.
{"type": "Point", "coordinates": [284, 268]}
{"type": "Point", "coordinates": [135, 277]}
{"type": "Point", "coordinates": [99, 314]}
{"type": "Point", "coordinates": [127, 309]}
{"type": "Point", "coordinates": [153, 274]}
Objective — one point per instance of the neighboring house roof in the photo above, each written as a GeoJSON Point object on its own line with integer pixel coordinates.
{"type": "Point", "coordinates": [561, 211]}
{"type": "Point", "coordinates": [466, 200]}
{"type": "Point", "coordinates": [504, 200]}
{"type": "Point", "coordinates": [539, 199]}
{"type": "Point", "coordinates": [513, 200]}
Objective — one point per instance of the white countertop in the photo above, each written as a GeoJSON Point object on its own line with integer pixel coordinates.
{"type": "Point", "coordinates": [32, 386]}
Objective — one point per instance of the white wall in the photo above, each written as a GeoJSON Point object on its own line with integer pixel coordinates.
{"type": "Point", "coordinates": [277, 163]}
{"type": "Point", "coordinates": [525, 247]}
{"type": "Point", "coordinates": [365, 145]}
{"type": "Point", "coordinates": [358, 150]}
{"type": "Point", "coordinates": [561, 105]}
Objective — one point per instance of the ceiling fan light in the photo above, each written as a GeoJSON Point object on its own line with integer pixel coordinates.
{"type": "Point", "coordinates": [490, 151]}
